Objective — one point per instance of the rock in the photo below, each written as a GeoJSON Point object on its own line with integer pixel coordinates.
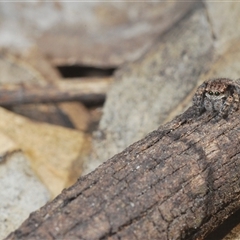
{"type": "Point", "coordinates": [6, 145]}
{"type": "Point", "coordinates": [50, 149]}
{"type": "Point", "coordinates": [147, 91]}
{"type": "Point", "coordinates": [15, 70]}
{"type": "Point", "coordinates": [225, 21]}
{"type": "Point", "coordinates": [77, 114]}
{"type": "Point", "coordinates": [21, 192]}
{"type": "Point", "coordinates": [227, 64]}
{"type": "Point", "coordinates": [96, 33]}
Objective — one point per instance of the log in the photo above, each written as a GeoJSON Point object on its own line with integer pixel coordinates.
{"type": "Point", "coordinates": [179, 182]}
{"type": "Point", "coordinates": [89, 91]}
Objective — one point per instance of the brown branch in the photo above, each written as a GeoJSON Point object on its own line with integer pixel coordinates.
{"type": "Point", "coordinates": [179, 182]}
{"type": "Point", "coordinates": [89, 91]}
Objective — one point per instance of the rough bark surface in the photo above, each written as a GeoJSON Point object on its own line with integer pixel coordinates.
{"type": "Point", "coordinates": [179, 182]}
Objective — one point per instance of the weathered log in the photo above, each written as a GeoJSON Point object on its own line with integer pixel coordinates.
{"type": "Point", "coordinates": [179, 182]}
{"type": "Point", "coordinates": [89, 91]}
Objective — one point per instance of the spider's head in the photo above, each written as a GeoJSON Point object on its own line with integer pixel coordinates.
{"type": "Point", "coordinates": [216, 90]}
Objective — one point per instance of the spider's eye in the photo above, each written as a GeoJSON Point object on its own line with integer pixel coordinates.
{"type": "Point", "coordinates": [210, 93]}
{"type": "Point", "coordinates": [217, 93]}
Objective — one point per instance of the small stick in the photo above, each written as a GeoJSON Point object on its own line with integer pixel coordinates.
{"type": "Point", "coordinates": [89, 91]}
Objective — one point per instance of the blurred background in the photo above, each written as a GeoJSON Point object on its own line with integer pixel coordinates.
{"type": "Point", "coordinates": [81, 81]}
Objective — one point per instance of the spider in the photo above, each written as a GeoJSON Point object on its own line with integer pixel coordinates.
{"type": "Point", "coordinates": [220, 96]}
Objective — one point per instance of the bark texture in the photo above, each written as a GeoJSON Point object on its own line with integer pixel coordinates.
{"type": "Point", "coordinates": [179, 182]}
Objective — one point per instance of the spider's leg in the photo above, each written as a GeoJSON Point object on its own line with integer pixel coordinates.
{"type": "Point", "coordinates": [235, 103]}
{"type": "Point", "coordinates": [198, 98]}
{"type": "Point", "coordinates": [208, 105]}
{"type": "Point", "coordinates": [225, 108]}
{"type": "Point", "coordinates": [237, 85]}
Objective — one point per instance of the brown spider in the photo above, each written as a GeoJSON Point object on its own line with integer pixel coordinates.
{"type": "Point", "coordinates": [219, 95]}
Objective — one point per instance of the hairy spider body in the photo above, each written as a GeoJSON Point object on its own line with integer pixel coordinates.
{"type": "Point", "coordinates": [220, 96]}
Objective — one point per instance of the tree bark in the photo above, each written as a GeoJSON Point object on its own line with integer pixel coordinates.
{"type": "Point", "coordinates": [179, 182]}
{"type": "Point", "coordinates": [89, 91]}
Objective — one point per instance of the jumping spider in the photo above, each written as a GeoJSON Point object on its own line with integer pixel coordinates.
{"type": "Point", "coordinates": [220, 96]}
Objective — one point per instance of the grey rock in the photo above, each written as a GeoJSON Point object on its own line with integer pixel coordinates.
{"type": "Point", "coordinates": [20, 192]}
{"type": "Point", "coordinates": [225, 21]}
{"type": "Point", "coordinates": [148, 90]}
{"type": "Point", "coordinates": [90, 33]}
